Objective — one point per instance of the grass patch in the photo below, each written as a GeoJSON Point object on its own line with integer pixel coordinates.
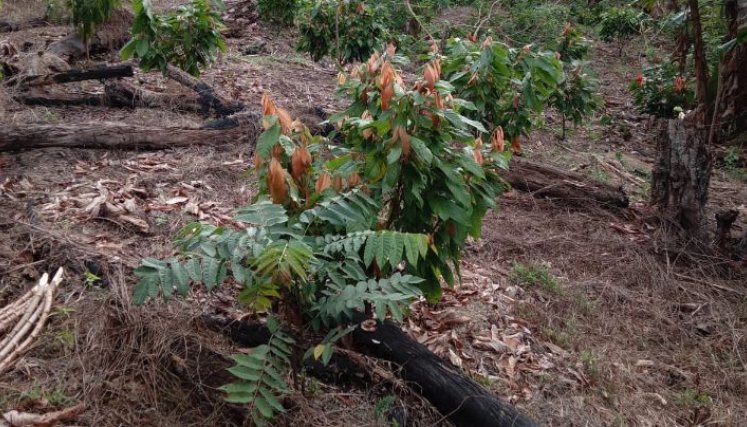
{"type": "Point", "coordinates": [534, 275]}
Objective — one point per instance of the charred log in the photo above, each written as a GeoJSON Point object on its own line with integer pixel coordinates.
{"type": "Point", "coordinates": [456, 396]}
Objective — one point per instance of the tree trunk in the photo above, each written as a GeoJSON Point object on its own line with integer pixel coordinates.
{"type": "Point", "coordinates": [107, 135]}
{"type": "Point", "coordinates": [109, 36]}
{"type": "Point", "coordinates": [731, 109]}
{"type": "Point", "coordinates": [701, 67]}
{"type": "Point", "coordinates": [681, 175]}
{"type": "Point", "coordinates": [568, 187]}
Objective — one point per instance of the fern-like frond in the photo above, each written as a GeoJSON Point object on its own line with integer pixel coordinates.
{"type": "Point", "coordinates": [387, 247]}
{"type": "Point", "coordinates": [262, 214]}
{"type": "Point", "coordinates": [284, 257]}
{"type": "Point", "coordinates": [390, 294]}
{"type": "Point", "coordinates": [259, 380]}
{"type": "Point", "coordinates": [353, 211]}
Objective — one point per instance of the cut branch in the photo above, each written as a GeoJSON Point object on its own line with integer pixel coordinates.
{"type": "Point", "coordinates": [572, 188]}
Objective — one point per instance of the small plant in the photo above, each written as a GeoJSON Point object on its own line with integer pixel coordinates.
{"type": "Point", "coordinates": [366, 226]}
{"type": "Point", "coordinates": [591, 363]}
{"type": "Point", "coordinates": [278, 11]}
{"type": "Point", "coordinates": [577, 96]}
{"type": "Point", "coordinates": [383, 406]}
{"type": "Point", "coordinates": [90, 279]}
{"type": "Point", "coordinates": [662, 91]}
{"type": "Point", "coordinates": [88, 14]}
{"type": "Point", "coordinates": [54, 398]}
{"type": "Point", "coordinates": [506, 88]}
{"type": "Point", "coordinates": [347, 31]}
{"type": "Point", "coordinates": [188, 37]}
{"type": "Point", "coordinates": [620, 24]}
{"type": "Point", "coordinates": [732, 164]}
{"type": "Point", "coordinates": [571, 45]}
{"type": "Point", "coordinates": [535, 22]}
{"type": "Point", "coordinates": [55, 11]}
{"type": "Point", "coordinates": [534, 275]}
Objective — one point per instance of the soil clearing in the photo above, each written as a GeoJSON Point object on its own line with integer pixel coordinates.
{"type": "Point", "coordinates": [621, 332]}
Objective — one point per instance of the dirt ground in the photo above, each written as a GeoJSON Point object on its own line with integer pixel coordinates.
{"type": "Point", "coordinates": [621, 330]}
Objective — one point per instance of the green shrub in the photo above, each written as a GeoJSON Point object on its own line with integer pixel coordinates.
{"type": "Point", "coordinates": [536, 22]}
{"type": "Point", "coordinates": [620, 24]}
{"type": "Point", "coordinates": [278, 11]}
{"type": "Point", "coordinates": [347, 31]}
{"type": "Point", "coordinates": [534, 275]}
{"type": "Point", "coordinates": [577, 96]}
{"type": "Point", "coordinates": [88, 14]}
{"type": "Point", "coordinates": [188, 37]}
{"type": "Point", "coordinates": [507, 87]}
{"type": "Point", "coordinates": [662, 91]}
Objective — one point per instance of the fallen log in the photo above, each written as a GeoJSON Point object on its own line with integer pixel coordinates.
{"type": "Point", "coordinates": [108, 135]}
{"type": "Point", "coordinates": [569, 187]}
{"type": "Point", "coordinates": [208, 98]}
{"type": "Point", "coordinates": [456, 396]}
{"type": "Point", "coordinates": [99, 73]}
{"type": "Point", "coordinates": [117, 94]}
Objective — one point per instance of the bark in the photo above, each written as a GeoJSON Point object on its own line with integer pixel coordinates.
{"type": "Point", "coordinates": [681, 174]}
{"type": "Point", "coordinates": [701, 67]}
{"type": "Point", "coordinates": [107, 135]}
{"type": "Point", "coordinates": [569, 187]}
{"type": "Point", "coordinates": [208, 98]}
{"type": "Point", "coordinates": [730, 114]}
{"type": "Point", "coordinates": [101, 73]}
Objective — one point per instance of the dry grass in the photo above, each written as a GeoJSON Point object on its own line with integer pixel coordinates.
{"type": "Point", "coordinates": [622, 305]}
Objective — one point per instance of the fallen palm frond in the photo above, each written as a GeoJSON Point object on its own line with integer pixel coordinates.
{"type": "Point", "coordinates": [22, 320]}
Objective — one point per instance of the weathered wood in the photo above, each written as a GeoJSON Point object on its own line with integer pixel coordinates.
{"type": "Point", "coordinates": [568, 187]}
{"type": "Point", "coordinates": [681, 174]}
{"type": "Point", "coordinates": [107, 135]}
{"type": "Point", "coordinates": [100, 73]}
{"type": "Point", "coordinates": [208, 97]}
{"type": "Point", "coordinates": [117, 94]}
{"type": "Point", "coordinates": [461, 400]}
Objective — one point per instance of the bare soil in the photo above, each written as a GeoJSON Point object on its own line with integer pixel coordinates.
{"type": "Point", "coordinates": [628, 331]}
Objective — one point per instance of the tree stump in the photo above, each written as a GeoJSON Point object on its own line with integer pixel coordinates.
{"type": "Point", "coordinates": [681, 174]}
